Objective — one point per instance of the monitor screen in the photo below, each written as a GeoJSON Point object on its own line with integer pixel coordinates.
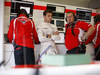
{"type": "Point", "coordinates": [58, 11]}
{"type": "Point", "coordinates": [6, 38]}
{"type": "Point", "coordinates": [12, 17]}
{"type": "Point", "coordinates": [17, 5]}
{"type": "Point", "coordinates": [60, 29]}
{"type": "Point", "coordinates": [83, 14]}
{"type": "Point", "coordinates": [51, 8]}
{"type": "Point", "coordinates": [59, 23]}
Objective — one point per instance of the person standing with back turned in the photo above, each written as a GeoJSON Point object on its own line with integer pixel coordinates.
{"type": "Point", "coordinates": [22, 32]}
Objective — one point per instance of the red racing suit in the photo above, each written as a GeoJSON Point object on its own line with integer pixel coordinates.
{"type": "Point", "coordinates": [72, 41]}
{"type": "Point", "coordinates": [22, 31]}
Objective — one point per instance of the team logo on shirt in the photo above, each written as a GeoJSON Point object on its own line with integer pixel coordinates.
{"type": "Point", "coordinates": [23, 21]}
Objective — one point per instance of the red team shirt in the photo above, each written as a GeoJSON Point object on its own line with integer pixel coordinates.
{"type": "Point", "coordinates": [72, 41]}
{"type": "Point", "coordinates": [95, 36]}
{"type": "Point", "coordinates": [23, 31]}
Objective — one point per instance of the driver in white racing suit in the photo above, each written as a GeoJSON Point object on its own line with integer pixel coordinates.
{"type": "Point", "coordinates": [47, 34]}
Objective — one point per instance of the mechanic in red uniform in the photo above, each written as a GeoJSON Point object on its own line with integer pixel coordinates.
{"type": "Point", "coordinates": [74, 33]}
{"type": "Point", "coordinates": [22, 32]}
{"type": "Point", "coordinates": [95, 37]}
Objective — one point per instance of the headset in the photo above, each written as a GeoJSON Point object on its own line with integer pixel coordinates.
{"type": "Point", "coordinates": [75, 17]}
{"type": "Point", "coordinates": [96, 19]}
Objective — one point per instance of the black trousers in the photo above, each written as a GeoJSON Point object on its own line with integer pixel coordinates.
{"type": "Point", "coordinates": [24, 55]}
{"type": "Point", "coordinates": [97, 53]}
{"type": "Point", "coordinates": [75, 50]}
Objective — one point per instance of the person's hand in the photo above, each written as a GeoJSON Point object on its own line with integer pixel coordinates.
{"type": "Point", "coordinates": [45, 35]}
{"type": "Point", "coordinates": [49, 36]}
{"type": "Point", "coordinates": [56, 33]}
{"type": "Point", "coordinates": [83, 39]}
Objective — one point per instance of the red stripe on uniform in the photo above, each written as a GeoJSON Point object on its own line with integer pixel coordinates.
{"type": "Point", "coordinates": [38, 7]}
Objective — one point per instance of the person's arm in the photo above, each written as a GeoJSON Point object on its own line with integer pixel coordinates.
{"type": "Point", "coordinates": [35, 36]}
{"type": "Point", "coordinates": [56, 33]}
{"type": "Point", "coordinates": [41, 35]}
{"type": "Point", "coordinates": [56, 36]}
{"type": "Point", "coordinates": [10, 31]}
{"type": "Point", "coordinates": [88, 33]}
{"type": "Point", "coordinates": [87, 27]}
{"type": "Point", "coordinates": [90, 38]}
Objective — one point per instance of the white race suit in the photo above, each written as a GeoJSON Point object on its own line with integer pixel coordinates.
{"type": "Point", "coordinates": [47, 28]}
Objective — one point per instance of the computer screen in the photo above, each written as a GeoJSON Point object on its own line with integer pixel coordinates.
{"type": "Point", "coordinates": [12, 17]}
{"type": "Point", "coordinates": [59, 23]}
{"type": "Point", "coordinates": [17, 5]}
{"type": "Point", "coordinates": [83, 14]}
{"type": "Point", "coordinates": [6, 38]}
{"type": "Point", "coordinates": [58, 11]}
{"type": "Point", "coordinates": [51, 8]}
